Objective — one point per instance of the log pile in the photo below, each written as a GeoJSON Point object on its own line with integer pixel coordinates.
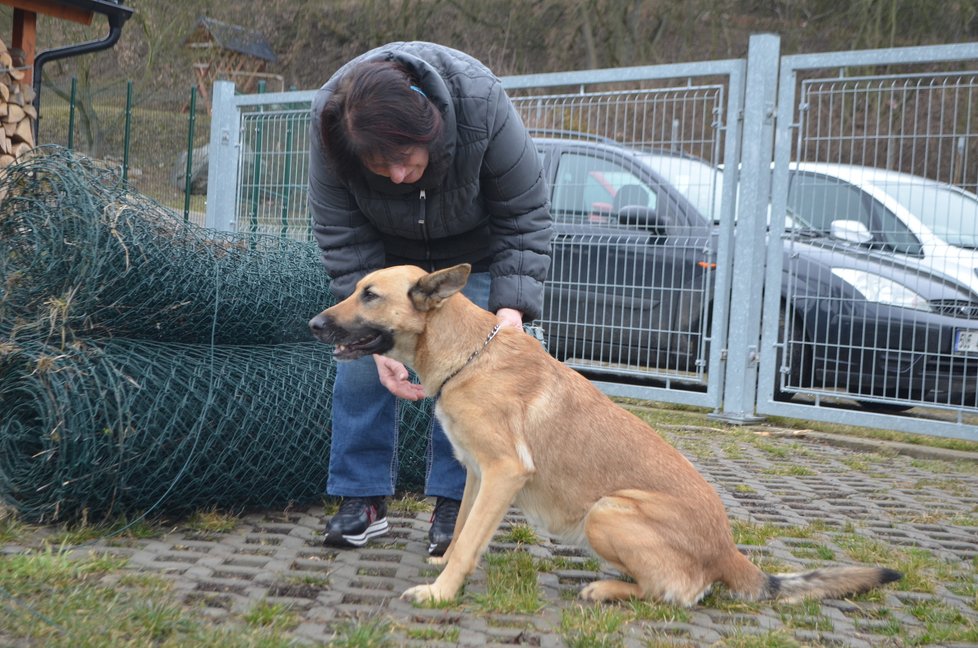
{"type": "Point", "coordinates": [17, 113]}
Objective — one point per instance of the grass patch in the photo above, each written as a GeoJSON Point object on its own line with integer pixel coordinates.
{"type": "Point", "coordinates": [778, 451]}
{"type": "Point", "coordinates": [642, 610]}
{"type": "Point", "coordinates": [806, 616]}
{"type": "Point", "coordinates": [588, 627]}
{"type": "Point", "coordinates": [450, 635]}
{"type": "Point", "coordinates": [519, 534]}
{"type": "Point", "coordinates": [11, 529]}
{"type": "Point", "coordinates": [62, 600]}
{"type": "Point", "coordinates": [770, 639]}
{"type": "Point", "coordinates": [212, 521]}
{"type": "Point", "coordinates": [370, 634]}
{"type": "Point", "coordinates": [812, 551]}
{"type": "Point", "coordinates": [790, 471]}
{"type": "Point", "coordinates": [870, 433]}
{"type": "Point", "coordinates": [950, 485]}
{"type": "Point", "coordinates": [119, 528]}
{"type": "Point", "coordinates": [511, 584]}
{"type": "Point", "coordinates": [943, 624]}
{"type": "Point", "coordinates": [271, 615]}
{"type": "Point", "coordinates": [732, 450]}
{"type": "Point", "coordinates": [409, 505]}
{"type": "Point", "coordinates": [749, 533]}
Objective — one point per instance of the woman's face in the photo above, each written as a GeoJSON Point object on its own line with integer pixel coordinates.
{"type": "Point", "coordinates": [407, 169]}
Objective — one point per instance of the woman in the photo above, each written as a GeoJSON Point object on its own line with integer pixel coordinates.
{"type": "Point", "coordinates": [418, 157]}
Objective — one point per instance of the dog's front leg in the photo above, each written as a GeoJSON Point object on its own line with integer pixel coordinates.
{"type": "Point", "coordinates": [468, 496]}
{"type": "Point", "coordinates": [496, 492]}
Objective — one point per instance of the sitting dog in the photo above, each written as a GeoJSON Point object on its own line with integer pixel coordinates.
{"type": "Point", "coordinates": [532, 431]}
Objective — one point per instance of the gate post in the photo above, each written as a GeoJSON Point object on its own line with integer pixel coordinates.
{"type": "Point", "coordinates": [750, 240]}
{"type": "Point", "coordinates": [222, 159]}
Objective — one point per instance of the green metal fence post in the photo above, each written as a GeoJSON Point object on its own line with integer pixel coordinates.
{"type": "Point", "coordinates": [256, 172]}
{"type": "Point", "coordinates": [71, 113]}
{"type": "Point", "coordinates": [187, 179]}
{"type": "Point", "coordinates": [287, 172]}
{"type": "Point", "coordinates": [125, 145]}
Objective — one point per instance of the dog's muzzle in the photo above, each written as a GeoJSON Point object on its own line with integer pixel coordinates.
{"type": "Point", "coordinates": [352, 343]}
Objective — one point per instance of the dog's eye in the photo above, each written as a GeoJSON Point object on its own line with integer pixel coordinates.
{"type": "Point", "coordinates": [368, 295]}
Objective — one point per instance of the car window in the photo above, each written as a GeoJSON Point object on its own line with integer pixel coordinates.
{"type": "Point", "coordinates": [588, 189]}
{"type": "Point", "coordinates": [700, 182]}
{"type": "Point", "coordinates": [948, 211]}
{"type": "Point", "coordinates": [818, 200]}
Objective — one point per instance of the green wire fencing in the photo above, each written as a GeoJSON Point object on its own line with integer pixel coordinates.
{"type": "Point", "coordinates": [86, 256]}
{"type": "Point", "coordinates": [150, 364]}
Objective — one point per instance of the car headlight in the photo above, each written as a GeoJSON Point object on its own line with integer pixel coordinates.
{"type": "Point", "coordinates": [881, 290]}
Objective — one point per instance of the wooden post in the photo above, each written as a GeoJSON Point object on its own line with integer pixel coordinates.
{"type": "Point", "coordinates": [24, 42]}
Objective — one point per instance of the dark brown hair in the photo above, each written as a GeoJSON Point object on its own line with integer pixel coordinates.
{"type": "Point", "coordinates": [374, 114]}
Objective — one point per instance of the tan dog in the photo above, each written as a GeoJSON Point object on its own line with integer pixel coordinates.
{"type": "Point", "coordinates": [531, 431]}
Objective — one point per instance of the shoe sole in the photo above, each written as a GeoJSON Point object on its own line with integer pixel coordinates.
{"type": "Point", "coordinates": [436, 549]}
{"type": "Point", "coordinates": [379, 527]}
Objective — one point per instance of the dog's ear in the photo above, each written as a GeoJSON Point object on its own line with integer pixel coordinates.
{"type": "Point", "coordinates": [432, 289]}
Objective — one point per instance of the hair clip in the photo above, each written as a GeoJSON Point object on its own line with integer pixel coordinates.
{"type": "Point", "coordinates": [419, 91]}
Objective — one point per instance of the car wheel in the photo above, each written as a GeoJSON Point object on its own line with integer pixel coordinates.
{"type": "Point", "coordinates": [798, 360]}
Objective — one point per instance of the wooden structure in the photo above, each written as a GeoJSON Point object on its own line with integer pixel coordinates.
{"type": "Point", "coordinates": [24, 38]}
{"type": "Point", "coordinates": [17, 113]}
{"type": "Point", "coordinates": [20, 65]}
{"type": "Point", "coordinates": [232, 53]}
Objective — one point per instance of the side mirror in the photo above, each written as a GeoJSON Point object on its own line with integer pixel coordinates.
{"type": "Point", "coordinates": [851, 231]}
{"type": "Point", "coordinates": [642, 217]}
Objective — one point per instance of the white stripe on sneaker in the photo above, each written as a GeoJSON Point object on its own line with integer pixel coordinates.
{"type": "Point", "coordinates": [376, 528]}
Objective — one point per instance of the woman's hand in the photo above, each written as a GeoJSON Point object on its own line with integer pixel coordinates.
{"type": "Point", "coordinates": [394, 376]}
{"type": "Point", "coordinates": [510, 317]}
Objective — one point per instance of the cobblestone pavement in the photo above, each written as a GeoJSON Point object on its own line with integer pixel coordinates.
{"type": "Point", "coordinates": [796, 502]}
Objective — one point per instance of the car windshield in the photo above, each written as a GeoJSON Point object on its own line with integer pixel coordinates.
{"type": "Point", "coordinates": [700, 183]}
{"type": "Point", "coordinates": [948, 211]}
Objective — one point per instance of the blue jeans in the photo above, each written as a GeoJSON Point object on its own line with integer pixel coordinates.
{"type": "Point", "coordinates": [363, 451]}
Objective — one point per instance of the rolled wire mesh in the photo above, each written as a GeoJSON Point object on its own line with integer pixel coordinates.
{"type": "Point", "coordinates": [113, 426]}
{"type": "Point", "coordinates": [84, 254]}
{"type": "Point", "coordinates": [146, 363]}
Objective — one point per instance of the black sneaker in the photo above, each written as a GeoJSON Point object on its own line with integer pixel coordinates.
{"type": "Point", "coordinates": [358, 520]}
{"type": "Point", "coordinates": [442, 525]}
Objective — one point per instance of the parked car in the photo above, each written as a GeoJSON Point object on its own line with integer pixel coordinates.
{"type": "Point", "coordinates": [631, 286]}
{"type": "Point", "coordinates": [934, 224]}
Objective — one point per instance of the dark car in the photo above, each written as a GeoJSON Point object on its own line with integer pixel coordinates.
{"type": "Point", "coordinates": [631, 286]}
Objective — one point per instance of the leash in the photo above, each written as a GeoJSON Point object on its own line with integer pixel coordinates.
{"type": "Point", "coordinates": [475, 354]}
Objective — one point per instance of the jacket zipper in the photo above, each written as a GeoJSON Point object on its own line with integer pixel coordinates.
{"type": "Point", "coordinates": [423, 196]}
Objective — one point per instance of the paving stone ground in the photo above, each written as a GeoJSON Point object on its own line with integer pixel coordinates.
{"type": "Point", "coordinates": [816, 503]}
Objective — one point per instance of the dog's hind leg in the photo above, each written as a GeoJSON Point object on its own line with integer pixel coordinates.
{"type": "Point", "coordinates": [496, 491]}
{"type": "Point", "coordinates": [646, 547]}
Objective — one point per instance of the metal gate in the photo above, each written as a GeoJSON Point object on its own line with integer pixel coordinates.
{"type": "Point", "coordinates": [878, 150]}
{"type": "Point", "coordinates": [724, 235]}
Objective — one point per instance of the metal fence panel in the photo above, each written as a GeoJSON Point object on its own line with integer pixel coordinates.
{"type": "Point", "coordinates": [624, 302]}
{"type": "Point", "coordinates": [100, 125]}
{"type": "Point", "coordinates": [860, 316]}
{"type": "Point", "coordinates": [875, 174]}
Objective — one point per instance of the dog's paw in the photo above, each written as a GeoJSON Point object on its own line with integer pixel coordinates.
{"type": "Point", "coordinates": [610, 590]}
{"type": "Point", "coordinates": [437, 560]}
{"type": "Point", "coordinates": [424, 594]}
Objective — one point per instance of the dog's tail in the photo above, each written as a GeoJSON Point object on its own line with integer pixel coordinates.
{"type": "Point", "coordinates": [824, 582]}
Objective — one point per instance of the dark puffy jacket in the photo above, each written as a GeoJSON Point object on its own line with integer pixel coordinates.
{"type": "Point", "coordinates": [491, 209]}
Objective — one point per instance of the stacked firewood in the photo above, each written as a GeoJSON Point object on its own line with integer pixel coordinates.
{"type": "Point", "coordinates": [17, 113]}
